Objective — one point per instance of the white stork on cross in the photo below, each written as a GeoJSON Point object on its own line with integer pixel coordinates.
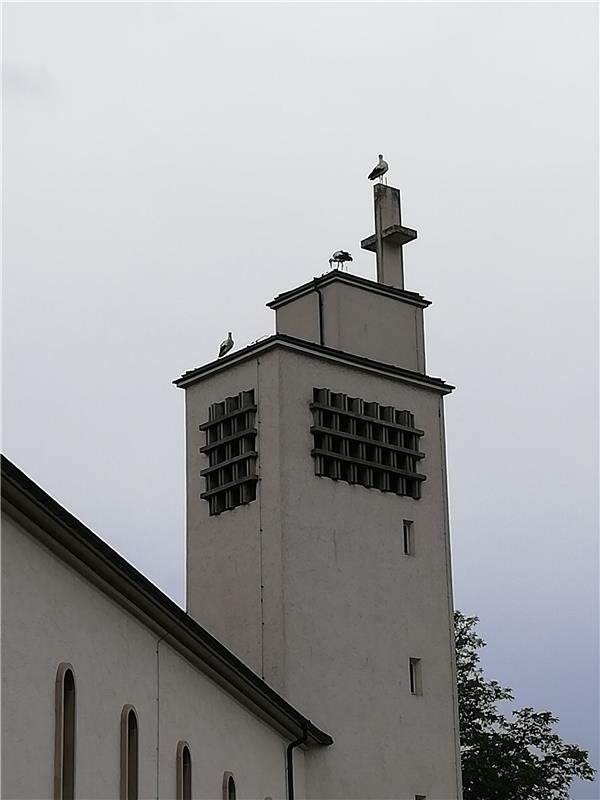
{"type": "Point", "coordinates": [379, 171]}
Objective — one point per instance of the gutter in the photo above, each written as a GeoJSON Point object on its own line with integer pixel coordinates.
{"type": "Point", "coordinates": [320, 296]}
{"type": "Point", "coordinates": [290, 762]}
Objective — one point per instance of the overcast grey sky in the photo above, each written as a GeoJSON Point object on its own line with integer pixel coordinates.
{"type": "Point", "coordinates": [169, 168]}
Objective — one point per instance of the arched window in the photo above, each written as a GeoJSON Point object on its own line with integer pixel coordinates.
{"type": "Point", "coordinates": [129, 754]}
{"type": "Point", "coordinates": [228, 786]}
{"type": "Point", "coordinates": [64, 735]}
{"type": "Point", "coordinates": [184, 771]}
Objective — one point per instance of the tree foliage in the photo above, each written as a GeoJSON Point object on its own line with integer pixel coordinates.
{"type": "Point", "coordinates": [520, 758]}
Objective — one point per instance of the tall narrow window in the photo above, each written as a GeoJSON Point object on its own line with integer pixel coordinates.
{"type": "Point", "coordinates": [228, 786]}
{"type": "Point", "coordinates": [129, 754]}
{"type": "Point", "coordinates": [64, 737]}
{"type": "Point", "coordinates": [408, 537]}
{"type": "Point", "coordinates": [184, 771]}
{"type": "Point", "coordinates": [414, 676]}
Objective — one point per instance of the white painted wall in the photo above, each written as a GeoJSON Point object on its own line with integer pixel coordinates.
{"type": "Point", "coordinates": [50, 613]}
{"type": "Point", "coordinates": [373, 325]}
{"type": "Point", "coordinates": [356, 608]}
{"type": "Point", "coordinates": [357, 320]}
{"type": "Point", "coordinates": [223, 589]}
{"type": "Point", "coordinates": [300, 318]}
{"type": "Point", "coordinates": [343, 609]}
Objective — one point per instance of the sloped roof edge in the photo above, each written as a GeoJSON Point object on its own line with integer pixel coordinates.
{"type": "Point", "coordinates": [72, 541]}
{"type": "Point", "coordinates": [356, 280]}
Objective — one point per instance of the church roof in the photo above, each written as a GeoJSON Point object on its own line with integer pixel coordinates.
{"type": "Point", "coordinates": [78, 546]}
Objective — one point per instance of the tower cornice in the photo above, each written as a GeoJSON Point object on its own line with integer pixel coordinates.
{"type": "Point", "coordinates": [414, 298]}
{"type": "Point", "coordinates": [313, 350]}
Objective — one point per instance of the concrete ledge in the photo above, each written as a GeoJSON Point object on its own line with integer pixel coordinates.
{"type": "Point", "coordinates": [396, 234]}
{"type": "Point", "coordinates": [414, 298]}
{"type": "Point", "coordinates": [316, 351]}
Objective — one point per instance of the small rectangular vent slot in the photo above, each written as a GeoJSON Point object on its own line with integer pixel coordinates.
{"type": "Point", "coordinates": [366, 443]}
{"type": "Point", "coordinates": [231, 451]}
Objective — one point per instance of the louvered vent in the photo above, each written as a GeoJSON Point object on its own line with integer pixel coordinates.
{"type": "Point", "coordinates": [362, 442]}
{"type": "Point", "coordinates": [231, 450]}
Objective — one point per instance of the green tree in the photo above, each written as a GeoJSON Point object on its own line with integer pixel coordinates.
{"type": "Point", "coordinates": [520, 758]}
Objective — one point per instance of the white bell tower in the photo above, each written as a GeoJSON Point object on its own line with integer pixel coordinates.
{"type": "Point", "coordinates": [318, 539]}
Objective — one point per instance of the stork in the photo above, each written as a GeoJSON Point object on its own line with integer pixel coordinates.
{"type": "Point", "coordinates": [226, 345]}
{"type": "Point", "coordinates": [379, 171]}
{"type": "Point", "coordinates": [339, 258]}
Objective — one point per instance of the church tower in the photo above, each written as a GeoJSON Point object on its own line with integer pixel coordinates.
{"type": "Point", "coordinates": [317, 524]}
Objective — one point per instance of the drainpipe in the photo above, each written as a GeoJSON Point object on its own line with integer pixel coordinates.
{"type": "Point", "coordinates": [162, 638]}
{"type": "Point", "coordinates": [318, 291]}
{"type": "Point", "coordinates": [290, 760]}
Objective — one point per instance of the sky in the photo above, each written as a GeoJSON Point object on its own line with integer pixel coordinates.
{"type": "Point", "coordinates": [170, 168]}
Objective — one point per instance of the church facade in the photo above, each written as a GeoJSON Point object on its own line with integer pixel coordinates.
{"type": "Point", "coordinates": [316, 657]}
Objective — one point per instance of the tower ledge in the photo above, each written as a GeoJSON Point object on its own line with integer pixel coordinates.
{"type": "Point", "coordinates": [315, 351]}
{"type": "Point", "coordinates": [414, 298]}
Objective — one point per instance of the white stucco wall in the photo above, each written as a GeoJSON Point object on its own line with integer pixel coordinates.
{"type": "Point", "coordinates": [382, 328]}
{"type": "Point", "coordinates": [357, 320]}
{"type": "Point", "coordinates": [225, 596]}
{"type": "Point", "coordinates": [357, 608]}
{"type": "Point", "coordinates": [51, 614]}
{"type": "Point", "coordinates": [300, 318]}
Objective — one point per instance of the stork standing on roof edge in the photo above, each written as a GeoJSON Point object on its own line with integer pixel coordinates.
{"type": "Point", "coordinates": [339, 258]}
{"type": "Point", "coordinates": [379, 171]}
{"type": "Point", "coordinates": [226, 345]}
